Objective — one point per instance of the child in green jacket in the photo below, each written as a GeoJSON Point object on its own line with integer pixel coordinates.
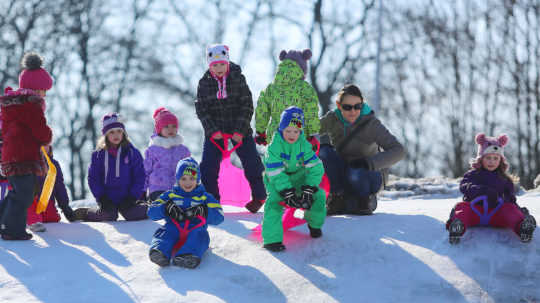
{"type": "Point", "coordinates": [292, 175]}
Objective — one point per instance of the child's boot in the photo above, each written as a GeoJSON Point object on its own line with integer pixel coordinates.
{"type": "Point", "coordinates": [37, 227]}
{"type": "Point", "coordinates": [526, 229]}
{"type": "Point", "coordinates": [315, 232]}
{"type": "Point", "coordinates": [254, 205]}
{"type": "Point", "coordinates": [275, 247]}
{"type": "Point", "coordinates": [25, 236]}
{"type": "Point", "coordinates": [159, 258]}
{"type": "Point", "coordinates": [335, 204]}
{"type": "Point", "coordinates": [456, 230]}
{"type": "Point", "coordinates": [187, 261]}
{"type": "Point", "coordinates": [80, 214]}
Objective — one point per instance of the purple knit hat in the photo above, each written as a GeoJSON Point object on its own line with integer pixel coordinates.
{"type": "Point", "coordinates": [489, 145]}
{"type": "Point", "coordinates": [33, 76]}
{"type": "Point", "coordinates": [300, 57]}
{"type": "Point", "coordinates": [112, 121]}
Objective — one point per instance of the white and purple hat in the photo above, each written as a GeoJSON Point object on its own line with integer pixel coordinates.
{"type": "Point", "coordinates": [112, 121]}
{"type": "Point", "coordinates": [217, 53]}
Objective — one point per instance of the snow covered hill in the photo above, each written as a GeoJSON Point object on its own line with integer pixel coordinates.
{"type": "Point", "coordinates": [400, 254]}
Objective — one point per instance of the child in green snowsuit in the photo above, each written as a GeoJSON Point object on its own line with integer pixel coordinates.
{"type": "Point", "coordinates": [291, 168]}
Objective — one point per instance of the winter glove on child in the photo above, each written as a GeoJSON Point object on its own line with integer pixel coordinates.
{"type": "Point", "coordinates": [360, 163]}
{"type": "Point", "coordinates": [197, 210]}
{"type": "Point", "coordinates": [174, 211]}
{"type": "Point", "coordinates": [315, 145]}
{"type": "Point", "coordinates": [289, 197]}
{"type": "Point", "coordinates": [260, 139]}
{"type": "Point", "coordinates": [307, 196]}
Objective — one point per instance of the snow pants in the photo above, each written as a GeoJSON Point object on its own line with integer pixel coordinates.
{"type": "Point", "coordinates": [168, 235]}
{"type": "Point", "coordinates": [251, 161]}
{"type": "Point", "coordinates": [508, 215]}
{"type": "Point", "coordinates": [110, 213]}
{"type": "Point", "coordinates": [13, 210]}
{"type": "Point", "coordinates": [49, 215]}
{"type": "Point", "coordinates": [272, 229]}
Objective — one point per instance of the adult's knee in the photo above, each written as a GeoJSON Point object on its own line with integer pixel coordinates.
{"type": "Point", "coordinates": [327, 152]}
{"type": "Point", "coordinates": [359, 181]}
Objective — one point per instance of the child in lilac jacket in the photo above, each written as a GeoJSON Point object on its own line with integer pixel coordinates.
{"type": "Point", "coordinates": [163, 153]}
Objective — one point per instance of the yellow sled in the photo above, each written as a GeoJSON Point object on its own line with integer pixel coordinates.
{"type": "Point", "coordinates": [48, 186]}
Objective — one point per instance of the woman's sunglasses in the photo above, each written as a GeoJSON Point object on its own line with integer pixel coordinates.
{"type": "Point", "coordinates": [348, 107]}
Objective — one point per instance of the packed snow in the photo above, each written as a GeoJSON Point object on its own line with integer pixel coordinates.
{"type": "Point", "coordinates": [400, 254]}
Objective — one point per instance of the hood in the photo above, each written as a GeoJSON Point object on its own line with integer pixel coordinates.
{"type": "Point", "coordinates": [156, 140]}
{"type": "Point", "coordinates": [288, 72]}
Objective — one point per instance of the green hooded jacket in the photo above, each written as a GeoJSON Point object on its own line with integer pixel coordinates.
{"type": "Point", "coordinates": [287, 89]}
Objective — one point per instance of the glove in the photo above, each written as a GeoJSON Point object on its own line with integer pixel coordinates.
{"type": "Point", "coordinates": [174, 212]}
{"type": "Point", "coordinates": [307, 196]}
{"type": "Point", "coordinates": [105, 203]}
{"type": "Point", "coordinates": [492, 198]}
{"type": "Point", "coordinates": [69, 214]}
{"type": "Point", "coordinates": [197, 210]}
{"type": "Point", "coordinates": [260, 139]}
{"type": "Point", "coordinates": [360, 163]}
{"type": "Point", "coordinates": [144, 196]}
{"type": "Point", "coordinates": [314, 143]}
{"type": "Point", "coordinates": [289, 197]}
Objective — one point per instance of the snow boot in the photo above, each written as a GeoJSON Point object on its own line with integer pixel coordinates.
{"type": "Point", "coordinates": [159, 258]}
{"type": "Point", "coordinates": [25, 236]}
{"type": "Point", "coordinates": [526, 229]}
{"type": "Point", "coordinates": [187, 261]}
{"type": "Point", "coordinates": [37, 227]}
{"type": "Point", "coordinates": [456, 230]}
{"type": "Point", "coordinates": [335, 204]}
{"type": "Point", "coordinates": [363, 206]}
{"type": "Point", "coordinates": [254, 205]}
{"type": "Point", "coordinates": [314, 232]}
{"type": "Point", "coordinates": [275, 247]}
{"type": "Point", "coordinates": [80, 214]}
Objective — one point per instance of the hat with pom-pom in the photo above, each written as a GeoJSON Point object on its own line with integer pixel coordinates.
{"type": "Point", "coordinates": [162, 118]}
{"type": "Point", "coordinates": [33, 76]}
{"type": "Point", "coordinates": [300, 57]}
{"type": "Point", "coordinates": [189, 167]}
{"type": "Point", "coordinates": [217, 53]}
{"type": "Point", "coordinates": [112, 121]}
{"type": "Point", "coordinates": [291, 116]}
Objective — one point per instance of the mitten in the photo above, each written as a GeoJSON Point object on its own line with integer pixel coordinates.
{"type": "Point", "coordinates": [174, 212]}
{"type": "Point", "coordinates": [289, 197]}
{"type": "Point", "coordinates": [260, 139]}
{"type": "Point", "coordinates": [307, 196]}
{"type": "Point", "coordinates": [360, 163]}
{"type": "Point", "coordinates": [197, 210]}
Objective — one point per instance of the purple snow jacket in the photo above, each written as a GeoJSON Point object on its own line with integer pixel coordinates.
{"type": "Point", "coordinates": [477, 182]}
{"type": "Point", "coordinates": [160, 161]}
{"type": "Point", "coordinates": [116, 177]}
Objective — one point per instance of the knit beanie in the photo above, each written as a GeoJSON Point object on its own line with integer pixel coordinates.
{"type": "Point", "coordinates": [112, 121]}
{"type": "Point", "coordinates": [291, 116]}
{"type": "Point", "coordinates": [33, 76]}
{"type": "Point", "coordinates": [300, 57]}
{"type": "Point", "coordinates": [217, 53]}
{"type": "Point", "coordinates": [190, 167]}
{"type": "Point", "coordinates": [162, 118]}
{"type": "Point", "coordinates": [490, 145]}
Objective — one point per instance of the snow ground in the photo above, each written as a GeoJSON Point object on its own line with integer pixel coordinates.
{"type": "Point", "coordinates": [399, 254]}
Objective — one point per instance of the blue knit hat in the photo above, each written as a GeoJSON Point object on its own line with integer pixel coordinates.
{"type": "Point", "coordinates": [188, 166]}
{"type": "Point", "coordinates": [291, 116]}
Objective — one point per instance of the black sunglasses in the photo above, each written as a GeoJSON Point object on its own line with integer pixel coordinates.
{"type": "Point", "coordinates": [348, 107]}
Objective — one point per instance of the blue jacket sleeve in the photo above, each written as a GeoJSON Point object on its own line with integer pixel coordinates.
{"type": "Point", "coordinates": [96, 174]}
{"type": "Point", "coordinates": [137, 174]}
{"type": "Point", "coordinates": [215, 212]}
{"type": "Point", "coordinates": [156, 210]}
{"type": "Point", "coordinates": [59, 191]}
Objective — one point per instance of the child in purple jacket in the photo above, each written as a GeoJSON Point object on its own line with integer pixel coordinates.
{"type": "Point", "coordinates": [163, 153]}
{"type": "Point", "coordinates": [115, 176]}
{"type": "Point", "coordinates": [488, 195]}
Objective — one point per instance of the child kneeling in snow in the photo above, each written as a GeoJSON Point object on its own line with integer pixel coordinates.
{"type": "Point", "coordinates": [187, 209]}
{"type": "Point", "coordinates": [488, 192]}
{"type": "Point", "coordinates": [292, 167]}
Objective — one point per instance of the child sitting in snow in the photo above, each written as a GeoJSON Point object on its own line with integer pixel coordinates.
{"type": "Point", "coordinates": [488, 195]}
{"type": "Point", "coordinates": [163, 153]}
{"type": "Point", "coordinates": [224, 106]}
{"type": "Point", "coordinates": [292, 168]}
{"type": "Point", "coordinates": [115, 176]}
{"type": "Point", "coordinates": [35, 221]}
{"type": "Point", "coordinates": [186, 204]}
{"type": "Point", "coordinates": [24, 131]}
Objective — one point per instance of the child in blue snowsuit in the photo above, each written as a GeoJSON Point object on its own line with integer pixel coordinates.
{"type": "Point", "coordinates": [185, 204]}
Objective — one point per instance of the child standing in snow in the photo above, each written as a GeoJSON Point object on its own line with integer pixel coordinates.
{"type": "Point", "coordinates": [163, 153]}
{"type": "Point", "coordinates": [115, 176]}
{"type": "Point", "coordinates": [488, 194]}
{"type": "Point", "coordinates": [224, 106]}
{"type": "Point", "coordinates": [59, 194]}
{"type": "Point", "coordinates": [187, 206]}
{"type": "Point", "coordinates": [24, 131]}
{"type": "Point", "coordinates": [292, 168]}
